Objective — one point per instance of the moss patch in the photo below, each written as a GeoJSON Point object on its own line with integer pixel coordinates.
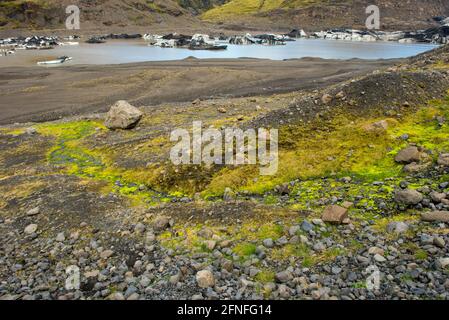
{"type": "Point", "coordinates": [341, 147]}
{"type": "Point", "coordinates": [238, 8]}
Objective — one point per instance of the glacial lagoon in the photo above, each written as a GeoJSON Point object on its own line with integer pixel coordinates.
{"type": "Point", "coordinates": [130, 51]}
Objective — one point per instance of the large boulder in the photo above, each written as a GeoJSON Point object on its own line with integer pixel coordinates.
{"type": "Point", "coordinates": [161, 223]}
{"type": "Point", "coordinates": [436, 216]}
{"type": "Point", "coordinates": [377, 126]}
{"type": "Point", "coordinates": [397, 227]}
{"type": "Point", "coordinates": [443, 160]}
{"type": "Point", "coordinates": [205, 279]}
{"type": "Point", "coordinates": [122, 115]}
{"type": "Point", "coordinates": [408, 197]}
{"type": "Point", "coordinates": [408, 155]}
{"type": "Point", "coordinates": [326, 98]}
{"type": "Point", "coordinates": [415, 167]}
{"type": "Point", "coordinates": [437, 197]}
{"type": "Point", "coordinates": [335, 214]}
{"type": "Point", "coordinates": [30, 229]}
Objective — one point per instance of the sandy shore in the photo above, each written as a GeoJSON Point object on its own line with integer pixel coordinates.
{"type": "Point", "coordinates": [39, 94]}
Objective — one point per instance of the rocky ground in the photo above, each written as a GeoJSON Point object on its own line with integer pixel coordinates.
{"type": "Point", "coordinates": [363, 186]}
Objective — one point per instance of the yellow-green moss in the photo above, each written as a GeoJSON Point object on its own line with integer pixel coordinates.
{"type": "Point", "coordinates": [342, 146]}
{"type": "Point", "coordinates": [421, 254]}
{"type": "Point", "coordinates": [21, 190]}
{"type": "Point", "coordinates": [339, 146]}
{"type": "Point", "coordinates": [245, 249]}
{"type": "Point", "coordinates": [238, 8]}
{"type": "Point", "coordinates": [12, 132]}
{"type": "Point", "coordinates": [380, 225]}
{"type": "Point", "coordinates": [300, 251]}
{"type": "Point", "coordinates": [265, 276]}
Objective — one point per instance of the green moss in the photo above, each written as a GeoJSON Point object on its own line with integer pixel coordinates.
{"type": "Point", "coordinates": [340, 147]}
{"type": "Point", "coordinates": [258, 230]}
{"type": "Point", "coordinates": [12, 132]}
{"type": "Point", "coordinates": [332, 148]}
{"type": "Point", "coordinates": [71, 153]}
{"type": "Point", "coordinates": [406, 278]}
{"type": "Point", "coordinates": [244, 250]}
{"type": "Point", "coordinates": [269, 231]}
{"type": "Point", "coordinates": [355, 245]}
{"type": "Point", "coordinates": [300, 251]}
{"type": "Point", "coordinates": [421, 254]}
{"type": "Point", "coordinates": [271, 199]}
{"type": "Point", "coordinates": [238, 8]}
{"type": "Point", "coordinates": [359, 285]}
{"type": "Point", "coordinates": [265, 276]}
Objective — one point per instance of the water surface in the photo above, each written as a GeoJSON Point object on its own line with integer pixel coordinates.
{"type": "Point", "coordinates": [119, 51]}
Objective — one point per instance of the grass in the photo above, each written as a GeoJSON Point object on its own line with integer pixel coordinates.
{"type": "Point", "coordinates": [184, 239]}
{"type": "Point", "coordinates": [269, 231]}
{"type": "Point", "coordinates": [415, 250]}
{"type": "Point", "coordinates": [13, 132]}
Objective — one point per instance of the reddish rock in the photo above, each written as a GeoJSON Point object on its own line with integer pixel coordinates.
{"type": "Point", "coordinates": [341, 95]}
{"type": "Point", "coordinates": [437, 197]}
{"type": "Point", "coordinates": [335, 214]}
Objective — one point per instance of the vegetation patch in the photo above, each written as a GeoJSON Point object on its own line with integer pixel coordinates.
{"type": "Point", "coordinates": [236, 8]}
{"type": "Point", "coordinates": [341, 147]}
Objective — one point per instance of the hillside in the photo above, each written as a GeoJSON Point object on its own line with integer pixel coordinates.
{"type": "Point", "coordinates": [235, 14]}
{"type": "Point", "coordinates": [198, 6]}
{"type": "Point", "coordinates": [51, 13]}
{"type": "Point", "coordinates": [313, 14]}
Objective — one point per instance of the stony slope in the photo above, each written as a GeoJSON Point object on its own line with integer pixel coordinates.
{"type": "Point", "coordinates": [317, 14]}
{"type": "Point", "coordinates": [51, 13]}
{"type": "Point", "coordinates": [284, 14]}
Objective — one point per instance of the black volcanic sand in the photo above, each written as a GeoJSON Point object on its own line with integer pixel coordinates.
{"type": "Point", "coordinates": [41, 94]}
